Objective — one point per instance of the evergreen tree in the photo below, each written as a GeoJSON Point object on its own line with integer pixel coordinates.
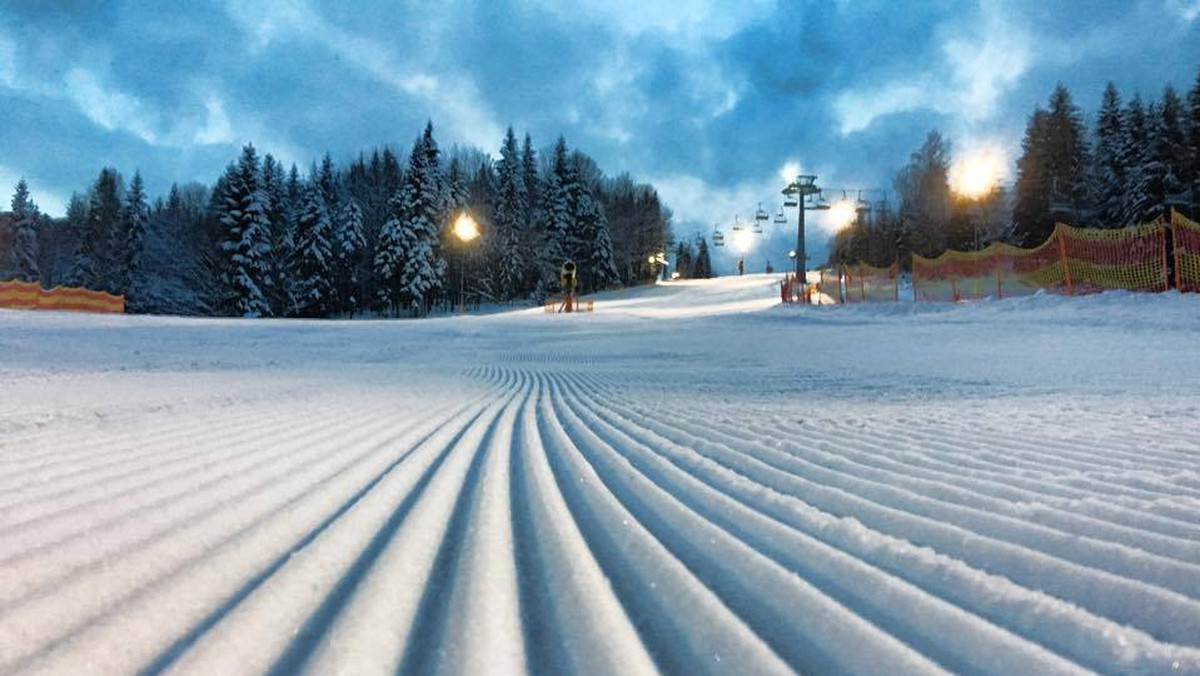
{"type": "Point", "coordinates": [348, 251]}
{"type": "Point", "coordinates": [277, 188]}
{"type": "Point", "coordinates": [135, 217]}
{"type": "Point", "coordinates": [424, 208]}
{"type": "Point", "coordinates": [314, 255]}
{"type": "Point", "coordinates": [408, 260]}
{"type": "Point", "coordinates": [1110, 167]}
{"type": "Point", "coordinates": [1068, 152]}
{"type": "Point", "coordinates": [1193, 145]}
{"type": "Point", "coordinates": [1168, 154]}
{"type": "Point", "coordinates": [591, 237]}
{"type": "Point", "coordinates": [327, 180]}
{"type": "Point", "coordinates": [1136, 199]}
{"type": "Point", "coordinates": [556, 212]}
{"type": "Point", "coordinates": [25, 244]}
{"type": "Point", "coordinates": [702, 267]}
{"type": "Point", "coordinates": [242, 212]}
{"type": "Point", "coordinates": [93, 266]}
{"type": "Point", "coordinates": [683, 259]}
{"type": "Point", "coordinates": [390, 254]}
{"type": "Point", "coordinates": [534, 238]}
{"type": "Point", "coordinates": [508, 216]}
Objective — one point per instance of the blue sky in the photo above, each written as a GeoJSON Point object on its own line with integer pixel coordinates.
{"type": "Point", "coordinates": [707, 100]}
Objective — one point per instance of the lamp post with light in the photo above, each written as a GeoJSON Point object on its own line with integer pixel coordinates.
{"type": "Point", "coordinates": [466, 230]}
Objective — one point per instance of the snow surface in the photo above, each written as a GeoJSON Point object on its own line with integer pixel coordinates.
{"type": "Point", "coordinates": [692, 479]}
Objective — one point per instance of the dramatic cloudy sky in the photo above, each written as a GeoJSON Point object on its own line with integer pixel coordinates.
{"type": "Point", "coordinates": [707, 100]}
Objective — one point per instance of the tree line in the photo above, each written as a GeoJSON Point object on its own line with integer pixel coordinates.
{"type": "Point", "coordinates": [374, 235]}
{"type": "Point", "coordinates": [1136, 161]}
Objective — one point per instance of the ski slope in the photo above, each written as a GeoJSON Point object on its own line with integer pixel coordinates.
{"type": "Point", "coordinates": [692, 479]}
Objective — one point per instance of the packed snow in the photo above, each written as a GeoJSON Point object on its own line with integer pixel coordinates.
{"type": "Point", "coordinates": [691, 479]}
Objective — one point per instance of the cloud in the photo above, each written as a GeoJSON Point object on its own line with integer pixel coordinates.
{"type": "Point", "coordinates": [1187, 9]}
{"type": "Point", "coordinates": [978, 67]}
{"type": "Point", "coordinates": [453, 96]}
{"type": "Point", "coordinates": [8, 60]}
{"type": "Point", "coordinates": [108, 107]}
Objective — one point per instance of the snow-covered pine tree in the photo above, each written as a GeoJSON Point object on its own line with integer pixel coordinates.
{"type": "Point", "coordinates": [595, 254]}
{"type": "Point", "coordinates": [275, 187]}
{"type": "Point", "coordinates": [1068, 154]}
{"type": "Point", "coordinates": [24, 258]}
{"type": "Point", "coordinates": [424, 204]}
{"type": "Point", "coordinates": [242, 211]}
{"type": "Point", "coordinates": [1170, 151]}
{"type": "Point", "coordinates": [556, 215]}
{"type": "Point", "coordinates": [349, 245]}
{"type": "Point", "coordinates": [134, 218]}
{"type": "Point", "coordinates": [390, 253]}
{"type": "Point", "coordinates": [1136, 200]}
{"type": "Point", "coordinates": [529, 176]}
{"type": "Point", "coordinates": [1109, 179]}
{"type": "Point", "coordinates": [92, 266]}
{"type": "Point", "coordinates": [314, 255]}
{"type": "Point", "coordinates": [508, 213]}
{"type": "Point", "coordinates": [327, 180]}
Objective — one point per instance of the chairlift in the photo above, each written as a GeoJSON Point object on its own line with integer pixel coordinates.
{"type": "Point", "coordinates": [861, 206]}
{"type": "Point", "coordinates": [760, 215]}
{"type": "Point", "coordinates": [790, 201]}
{"type": "Point", "coordinates": [737, 224]}
{"type": "Point", "coordinates": [718, 237]}
{"type": "Point", "coordinates": [758, 228]}
{"type": "Point", "coordinates": [780, 218]}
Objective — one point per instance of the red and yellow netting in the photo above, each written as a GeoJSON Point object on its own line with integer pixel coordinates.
{"type": "Point", "coordinates": [1186, 235]}
{"type": "Point", "coordinates": [1134, 259]}
{"type": "Point", "coordinates": [829, 288]}
{"type": "Point", "coordinates": [31, 296]}
{"type": "Point", "coordinates": [1072, 260]}
{"type": "Point", "coordinates": [869, 283]}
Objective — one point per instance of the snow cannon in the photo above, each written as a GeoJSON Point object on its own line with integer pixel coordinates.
{"type": "Point", "coordinates": [568, 279]}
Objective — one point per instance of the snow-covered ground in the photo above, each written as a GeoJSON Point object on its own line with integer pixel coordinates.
{"type": "Point", "coordinates": [692, 479]}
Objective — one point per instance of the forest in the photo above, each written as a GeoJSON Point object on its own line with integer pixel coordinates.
{"type": "Point", "coordinates": [371, 237]}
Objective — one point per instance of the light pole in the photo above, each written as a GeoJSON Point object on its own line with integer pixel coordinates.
{"type": "Point", "coordinates": [797, 193]}
{"type": "Point", "coordinates": [466, 230]}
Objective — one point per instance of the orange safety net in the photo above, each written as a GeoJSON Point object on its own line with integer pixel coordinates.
{"type": "Point", "coordinates": [1072, 260]}
{"type": "Point", "coordinates": [1134, 259]}
{"type": "Point", "coordinates": [999, 271]}
{"type": "Point", "coordinates": [1186, 235]}
{"type": "Point", "coordinates": [829, 288]}
{"type": "Point", "coordinates": [31, 296]}
{"type": "Point", "coordinates": [869, 283]}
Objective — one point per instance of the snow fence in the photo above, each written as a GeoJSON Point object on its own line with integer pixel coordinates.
{"type": "Point", "coordinates": [1186, 235]}
{"type": "Point", "coordinates": [18, 295]}
{"type": "Point", "coordinates": [1072, 261]}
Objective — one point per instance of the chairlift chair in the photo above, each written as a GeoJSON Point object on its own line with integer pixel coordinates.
{"type": "Point", "coordinates": [760, 215]}
{"type": "Point", "coordinates": [718, 237]}
{"type": "Point", "coordinates": [780, 218]}
{"type": "Point", "coordinates": [737, 224]}
{"type": "Point", "coordinates": [790, 201]}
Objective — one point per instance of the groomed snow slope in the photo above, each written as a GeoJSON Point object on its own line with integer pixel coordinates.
{"type": "Point", "coordinates": [691, 480]}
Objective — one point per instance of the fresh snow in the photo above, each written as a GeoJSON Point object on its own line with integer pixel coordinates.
{"type": "Point", "coordinates": [691, 479]}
